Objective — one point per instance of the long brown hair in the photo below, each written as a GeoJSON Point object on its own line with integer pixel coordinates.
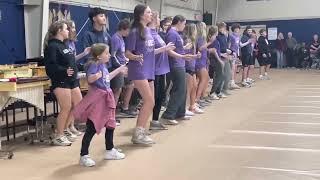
{"type": "Point", "coordinates": [213, 30]}
{"type": "Point", "coordinates": [138, 12]}
{"type": "Point", "coordinates": [53, 31]}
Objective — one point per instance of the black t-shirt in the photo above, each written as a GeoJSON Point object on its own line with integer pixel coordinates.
{"type": "Point", "coordinates": [246, 50]}
{"type": "Point", "coordinates": [57, 59]}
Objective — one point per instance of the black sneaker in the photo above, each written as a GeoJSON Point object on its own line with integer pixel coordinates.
{"type": "Point", "coordinates": [128, 113]}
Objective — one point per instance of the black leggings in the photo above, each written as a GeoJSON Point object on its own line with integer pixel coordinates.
{"type": "Point", "coordinates": [159, 95]}
{"type": "Point", "coordinates": [88, 135]}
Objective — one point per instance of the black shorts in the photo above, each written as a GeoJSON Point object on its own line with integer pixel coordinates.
{"type": "Point", "coordinates": [246, 59]}
{"type": "Point", "coordinates": [264, 61]}
{"type": "Point", "coordinates": [190, 72]}
{"type": "Point", "coordinates": [252, 61]}
{"type": "Point", "coordinates": [65, 84]}
{"type": "Point", "coordinates": [119, 81]}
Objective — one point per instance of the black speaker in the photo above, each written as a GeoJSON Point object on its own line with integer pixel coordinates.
{"type": "Point", "coordinates": [207, 18]}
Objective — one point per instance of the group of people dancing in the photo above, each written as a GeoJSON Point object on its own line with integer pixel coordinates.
{"type": "Point", "coordinates": [159, 59]}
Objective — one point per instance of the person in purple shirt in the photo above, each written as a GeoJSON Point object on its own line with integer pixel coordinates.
{"type": "Point", "coordinates": [216, 61]}
{"type": "Point", "coordinates": [201, 63]}
{"type": "Point", "coordinates": [161, 69]}
{"type": "Point", "coordinates": [141, 68]}
{"type": "Point", "coordinates": [176, 108]}
{"type": "Point", "coordinates": [118, 58]}
{"type": "Point", "coordinates": [235, 48]}
{"type": "Point", "coordinates": [72, 48]}
{"type": "Point", "coordinates": [189, 36]}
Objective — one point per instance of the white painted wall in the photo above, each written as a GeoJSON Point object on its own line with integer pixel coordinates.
{"type": "Point", "coordinates": [33, 11]}
{"type": "Point", "coordinates": [169, 8]}
{"type": "Point", "coordinates": [241, 10]}
{"type": "Point", "coordinates": [210, 7]}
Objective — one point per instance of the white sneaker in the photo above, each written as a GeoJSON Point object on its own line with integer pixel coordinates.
{"type": "Point", "coordinates": [71, 137]}
{"type": "Point", "coordinates": [222, 95]}
{"type": "Point", "coordinates": [74, 131]}
{"type": "Point", "coordinates": [171, 122]}
{"type": "Point", "coordinates": [234, 86]}
{"type": "Point", "coordinates": [61, 141]}
{"type": "Point", "coordinates": [197, 110]}
{"type": "Point", "coordinates": [189, 113]}
{"type": "Point", "coordinates": [266, 77]}
{"type": "Point", "coordinates": [245, 84]}
{"type": "Point", "coordinates": [214, 96]}
{"type": "Point", "coordinates": [114, 154]}
{"type": "Point", "coordinates": [86, 161]}
{"type": "Point", "coordinates": [251, 80]}
{"type": "Point", "coordinates": [262, 77]}
{"type": "Point", "coordinates": [140, 137]}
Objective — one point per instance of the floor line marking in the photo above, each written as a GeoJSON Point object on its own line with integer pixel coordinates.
{"type": "Point", "coordinates": [274, 133]}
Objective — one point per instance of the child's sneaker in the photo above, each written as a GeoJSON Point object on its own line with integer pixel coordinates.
{"type": "Point", "coordinates": [61, 141]}
{"type": "Point", "coordinates": [86, 161]}
{"type": "Point", "coordinates": [114, 154]}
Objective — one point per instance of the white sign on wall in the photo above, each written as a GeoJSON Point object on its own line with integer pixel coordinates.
{"type": "Point", "coordinates": [272, 33]}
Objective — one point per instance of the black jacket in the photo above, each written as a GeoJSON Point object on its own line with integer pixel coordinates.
{"type": "Point", "coordinates": [57, 59]}
{"type": "Point", "coordinates": [264, 48]}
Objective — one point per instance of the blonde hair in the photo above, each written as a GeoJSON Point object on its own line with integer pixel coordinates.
{"type": "Point", "coordinates": [201, 30]}
{"type": "Point", "coordinates": [190, 33]}
{"type": "Point", "coordinates": [96, 50]}
{"type": "Point", "coordinates": [53, 31]}
{"type": "Point", "coordinates": [69, 24]}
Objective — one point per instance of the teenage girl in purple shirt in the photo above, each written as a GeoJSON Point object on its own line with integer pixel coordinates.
{"type": "Point", "coordinates": [140, 51]}
{"type": "Point", "coordinates": [161, 69]}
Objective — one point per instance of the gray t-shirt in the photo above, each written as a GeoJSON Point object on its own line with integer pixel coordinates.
{"type": "Point", "coordinates": [291, 43]}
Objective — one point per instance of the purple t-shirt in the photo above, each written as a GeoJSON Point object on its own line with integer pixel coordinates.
{"type": "Point", "coordinates": [235, 43]}
{"type": "Point", "coordinates": [202, 61]}
{"type": "Point", "coordinates": [174, 37]}
{"type": "Point", "coordinates": [216, 44]}
{"type": "Point", "coordinates": [104, 81]}
{"type": "Point", "coordinates": [162, 62]}
{"type": "Point", "coordinates": [190, 64]}
{"type": "Point", "coordinates": [118, 47]}
{"type": "Point", "coordinates": [138, 46]}
{"type": "Point", "coordinates": [72, 47]}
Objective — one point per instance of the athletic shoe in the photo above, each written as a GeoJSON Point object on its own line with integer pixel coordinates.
{"type": "Point", "coordinates": [140, 137]}
{"type": "Point", "coordinates": [70, 136]}
{"type": "Point", "coordinates": [197, 110]}
{"type": "Point", "coordinates": [61, 141]}
{"type": "Point", "coordinates": [128, 112]}
{"type": "Point", "coordinates": [221, 95]}
{"type": "Point", "coordinates": [234, 86]}
{"type": "Point", "coordinates": [74, 131]}
{"type": "Point", "coordinates": [214, 96]}
{"type": "Point", "coordinates": [86, 161]}
{"type": "Point", "coordinates": [189, 113]}
{"type": "Point", "coordinates": [156, 125]}
{"type": "Point", "coordinates": [114, 154]}
{"type": "Point", "coordinates": [245, 84]}
{"type": "Point", "coordinates": [171, 122]}
{"type": "Point", "coordinates": [266, 77]}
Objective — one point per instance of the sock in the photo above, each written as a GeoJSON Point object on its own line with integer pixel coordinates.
{"type": "Point", "coordinates": [266, 74]}
{"type": "Point", "coordinates": [248, 79]}
{"type": "Point", "coordinates": [261, 75]}
{"type": "Point", "coordinates": [232, 82]}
